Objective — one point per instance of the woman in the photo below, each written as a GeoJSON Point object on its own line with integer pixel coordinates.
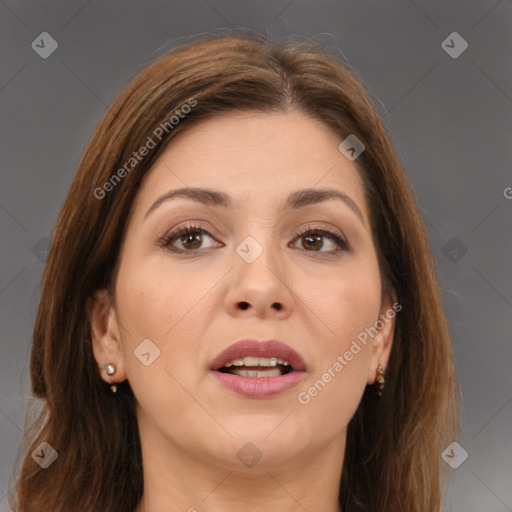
{"type": "Point", "coordinates": [240, 308]}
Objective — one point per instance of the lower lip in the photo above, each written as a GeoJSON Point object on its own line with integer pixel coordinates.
{"type": "Point", "coordinates": [259, 387]}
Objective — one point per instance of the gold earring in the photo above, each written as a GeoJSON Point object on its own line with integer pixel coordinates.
{"type": "Point", "coordinates": [111, 370]}
{"type": "Point", "coordinates": [380, 379]}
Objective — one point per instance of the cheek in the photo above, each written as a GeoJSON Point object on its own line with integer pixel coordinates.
{"type": "Point", "coordinates": [158, 303]}
{"type": "Point", "coordinates": [349, 307]}
{"type": "Point", "coordinates": [154, 297]}
{"type": "Point", "coordinates": [161, 315]}
{"type": "Point", "coordinates": [350, 303]}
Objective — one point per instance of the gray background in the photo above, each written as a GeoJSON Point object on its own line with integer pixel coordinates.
{"type": "Point", "coordinates": [450, 119]}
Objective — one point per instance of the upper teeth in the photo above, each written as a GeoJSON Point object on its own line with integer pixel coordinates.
{"type": "Point", "coordinates": [257, 361]}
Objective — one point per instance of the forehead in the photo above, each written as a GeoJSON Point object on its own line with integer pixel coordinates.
{"type": "Point", "coordinates": [256, 158]}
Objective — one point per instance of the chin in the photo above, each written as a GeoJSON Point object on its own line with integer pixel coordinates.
{"type": "Point", "coordinates": [263, 446]}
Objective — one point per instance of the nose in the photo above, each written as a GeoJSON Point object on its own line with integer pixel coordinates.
{"type": "Point", "coordinates": [260, 288]}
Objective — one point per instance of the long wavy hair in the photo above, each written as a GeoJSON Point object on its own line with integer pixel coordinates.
{"type": "Point", "coordinates": [392, 460]}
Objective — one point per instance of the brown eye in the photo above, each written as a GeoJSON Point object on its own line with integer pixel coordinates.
{"type": "Point", "coordinates": [313, 241]}
{"type": "Point", "coordinates": [186, 239]}
{"type": "Point", "coordinates": [193, 238]}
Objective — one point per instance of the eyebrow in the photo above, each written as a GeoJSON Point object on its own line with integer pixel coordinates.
{"type": "Point", "coordinates": [296, 200]}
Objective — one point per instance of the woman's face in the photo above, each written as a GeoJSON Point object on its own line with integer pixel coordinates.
{"type": "Point", "coordinates": [262, 270]}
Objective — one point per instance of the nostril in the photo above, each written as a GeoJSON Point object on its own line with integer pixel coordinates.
{"type": "Point", "coordinates": [245, 305]}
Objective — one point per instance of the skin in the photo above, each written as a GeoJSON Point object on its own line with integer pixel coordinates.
{"type": "Point", "coordinates": [188, 305]}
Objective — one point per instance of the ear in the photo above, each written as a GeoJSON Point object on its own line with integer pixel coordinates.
{"type": "Point", "coordinates": [383, 340]}
{"type": "Point", "coordinates": [105, 335]}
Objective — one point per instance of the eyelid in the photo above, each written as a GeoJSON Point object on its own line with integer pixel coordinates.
{"type": "Point", "coordinates": [324, 230]}
{"type": "Point", "coordinates": [330, 232]}
{"type": "Point", "coordinates": [189, 226]}
{"type": "Point", "coordinates": [321, 227]}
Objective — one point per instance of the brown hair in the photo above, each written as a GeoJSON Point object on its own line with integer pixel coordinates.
{"type": "Point", "coordinates": [392, 460]}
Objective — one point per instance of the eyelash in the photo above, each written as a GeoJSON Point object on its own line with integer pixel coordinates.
{"type": "Point", "coordinates": [165, 242]}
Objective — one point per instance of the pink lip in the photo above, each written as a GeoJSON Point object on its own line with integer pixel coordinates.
{"type": "Point", "coordinates": [259, 387]}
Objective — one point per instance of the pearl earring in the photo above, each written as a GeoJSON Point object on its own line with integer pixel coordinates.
{"type": "Point", "coordinates": [111, 369]}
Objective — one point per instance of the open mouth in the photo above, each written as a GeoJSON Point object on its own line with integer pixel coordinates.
{"type": "Point", "coordinates": [257, 367]}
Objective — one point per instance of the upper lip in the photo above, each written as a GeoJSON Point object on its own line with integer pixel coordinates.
{"type": "Point", "coordinates": [254, 348]}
